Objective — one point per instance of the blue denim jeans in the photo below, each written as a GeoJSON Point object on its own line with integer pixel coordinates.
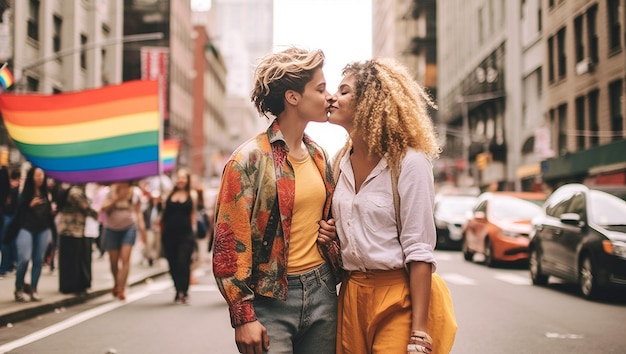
{"type": "Point", "coordinates": [30, 247]}
{"type": "Point", "coordinates": [306, 323]}
{"type": "Point", "coordinates": [114, 240]}
{"type": "Point", "coordinates": [8, 250]}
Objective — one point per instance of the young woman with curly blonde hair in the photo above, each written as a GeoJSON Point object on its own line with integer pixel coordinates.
{"type": "Point", "coordinates": [275, 189]}
{"type": "Point", "coordinates": [382, 307]}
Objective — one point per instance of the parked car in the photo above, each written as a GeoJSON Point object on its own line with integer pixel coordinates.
{"type": "Point", "coordinates": [580, 237]}
{"type": "Point", "coordinates": [618, 191]}
{"type": "Point", "coordinates": [451, 213]}
{"type": "Point", "coordinates": [499, 227]}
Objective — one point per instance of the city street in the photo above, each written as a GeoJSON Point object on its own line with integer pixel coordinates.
{"type": "Point", "coordinates": [498, 311]}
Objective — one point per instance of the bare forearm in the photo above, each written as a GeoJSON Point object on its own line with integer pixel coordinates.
{"type": "Point", "coordinates": [420, 279]}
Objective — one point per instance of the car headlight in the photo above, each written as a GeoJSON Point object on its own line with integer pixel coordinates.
{"type": "Point", "coordinates": [616, 248]}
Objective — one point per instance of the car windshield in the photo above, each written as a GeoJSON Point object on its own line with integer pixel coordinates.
{"type": "Point", "coordinates": [606, 209]}
{"type": "Point", "coordinates": [456, 205]}
{"type": "Point", "coordinates": [513, 208]}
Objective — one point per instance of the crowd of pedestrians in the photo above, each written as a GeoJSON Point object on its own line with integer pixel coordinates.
{"type": "Point", "coordinates": [48, 224]}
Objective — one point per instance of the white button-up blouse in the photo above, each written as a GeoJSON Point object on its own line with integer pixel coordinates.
{"type": "Point", "coordinates": [366, 222]}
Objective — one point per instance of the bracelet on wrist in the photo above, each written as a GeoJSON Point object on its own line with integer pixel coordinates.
{"type": "Point", "coordinates": [421, 335]}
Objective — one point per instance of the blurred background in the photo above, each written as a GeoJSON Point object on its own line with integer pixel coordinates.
{"type": "Point", "coordinates": [530, 93]}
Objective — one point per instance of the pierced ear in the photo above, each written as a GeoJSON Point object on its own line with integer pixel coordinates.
{"type": "Point", "coordinates": [292, 97]}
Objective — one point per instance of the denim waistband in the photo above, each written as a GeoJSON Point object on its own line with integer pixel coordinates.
{"type": "Point", "coordinates": [318, 273]}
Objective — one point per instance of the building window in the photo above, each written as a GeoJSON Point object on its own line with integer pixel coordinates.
{"type": "Point", "coordinates": [592, 33]}
{"type": "Point", "coordinates": [615, 107]}
{"type": "Point", "coordinates": [580, 123]}
{"type": "Point", "coordinates": [56, 37]}
{"type": "Point", "coordinates": [83, 52]}
{"type": "Point", "coordinates": [539, 81]}
{"type": "Point", "coordinates": [615, 28]}
{"type": "Point", "coordinates": [562, 138]}
{"type": "Point", "coordinates": [33, 19]}
{"type": "Point", "coordinates": [551, 59]}
{"type": "Point", "coordinates": [578, 39]}
{"type": "Point", "coordinates": [594, 139]}
{"type": "Point", "coordinates": [562, 56]}
{"type": "Point", "coordinates": [32, 84]}
{"type": "Point", "coordinates": [550, 4]}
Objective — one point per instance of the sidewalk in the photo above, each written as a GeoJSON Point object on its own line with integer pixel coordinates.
{"type": "Point", "coordinates": [48, 288]}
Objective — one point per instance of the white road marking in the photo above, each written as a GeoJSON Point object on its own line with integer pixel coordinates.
{"type": "Point", "coordinates": [84, 316]}
{"type": "Point", "coordinates": [513, 279]}
{"type": "Point", "coordinates": [553, 335]}
{"type": "Point", "coordinates": [457, 279]}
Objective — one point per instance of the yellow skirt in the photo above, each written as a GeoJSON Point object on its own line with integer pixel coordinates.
{"type": "Point", "coordinates": [374, 313]}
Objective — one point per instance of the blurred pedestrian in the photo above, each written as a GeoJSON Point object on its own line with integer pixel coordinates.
{"type": "Point", "coordinates": [74, 246]}
{"type": "Point", "coordinates": [8, 249]}
{"type": "Point", "coordinates": [382, 307]}
{"type": "Point", "coordinates": [179, 233]}
{"type": "Point", "coordinates": [99, 196]}
{"type": "Point", "coordinates": [152, 216]}
{"type": "Point", "coordinates": [56, 191]}
{"type": "Point", "coordinates": [275, 189]}
{"type": "Point", "coordinates": [34, 220]}
{"type": "Point", "coordinates": [123, 220]}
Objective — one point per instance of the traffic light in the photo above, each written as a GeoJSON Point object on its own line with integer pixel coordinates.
{"type": "Point", "coordinates": [482, 160]}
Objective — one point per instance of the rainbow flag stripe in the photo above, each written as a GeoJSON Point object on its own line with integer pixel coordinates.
{"type": "Point", "coordinates": [169, 153]}
{"type": "Point", "coordinates": [6, 77]}
{"type": "Point", "coordinates": [101, 135]}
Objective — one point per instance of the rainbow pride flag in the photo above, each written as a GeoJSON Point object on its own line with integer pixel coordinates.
{"type": "Point", "coordinates": [6, 78]}
{"type": "Point", "coordinates": [101, 135]}
{"type": "Point", "coordinates": [169, 153]}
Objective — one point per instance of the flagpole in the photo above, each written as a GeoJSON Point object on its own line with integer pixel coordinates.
{"type": "Point", "coordinates": [161, 133]}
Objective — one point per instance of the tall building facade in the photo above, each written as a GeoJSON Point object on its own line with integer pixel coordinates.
{"type": "Point", "coordinates": [244, 34]}
{"type": "Point", "coordinates": [584, 87]}
{"type": "Point", "coordinates": [407, 30]}
{"type": "Point", "coordinates": [482, 63]}
{"type": "Point", "coordinates": [209, 91]}
{"type": "Point", "coordinates": [169, 59]}
{"type": "Point", "coordinates": [43, 41]}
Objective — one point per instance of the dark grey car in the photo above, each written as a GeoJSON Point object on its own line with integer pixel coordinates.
{"type": "Point", "coordinates": [580, 237]}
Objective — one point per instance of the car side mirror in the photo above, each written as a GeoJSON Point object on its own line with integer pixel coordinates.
{"type": "Point", "coordinates": [572, 219]}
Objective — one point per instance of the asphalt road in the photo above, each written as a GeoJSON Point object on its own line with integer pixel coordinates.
{"type": "Point", "coordinates": [498, 311]}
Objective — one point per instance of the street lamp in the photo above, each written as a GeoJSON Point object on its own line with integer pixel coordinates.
{"type": "Point", "coordinates": [69, 51]}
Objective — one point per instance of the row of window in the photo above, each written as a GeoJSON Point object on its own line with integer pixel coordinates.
{"type": "Point", "coordinates": [585, 41]}
{"type": "Point", "coordinates": [586, 130]}
{"type": "Point", "coordinates": [33, 31]}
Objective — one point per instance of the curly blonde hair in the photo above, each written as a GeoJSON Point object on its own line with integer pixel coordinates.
{"type": "Point", "coordinates": [290, 69]}
{"type": "Point", "coordinates": [391, 113]}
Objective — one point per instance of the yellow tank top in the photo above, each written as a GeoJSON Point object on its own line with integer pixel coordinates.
{"type": "Point", "coordinates": [307, 212]}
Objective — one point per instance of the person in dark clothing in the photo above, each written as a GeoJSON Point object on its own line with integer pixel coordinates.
{"type": "Point", "coordinates": [178, 233]}
{"type": "Point", "coordinates": [34, 217]}
{"type": "Point", "coordinates": [9, 190]}
{"type": "Point", "coordinates": [74, 246]}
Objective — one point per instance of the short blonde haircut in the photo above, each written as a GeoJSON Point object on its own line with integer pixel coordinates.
{"type": "Point", "coordinates": [290, 69]}
{"type": "Point", "coordinates": [391, 112]}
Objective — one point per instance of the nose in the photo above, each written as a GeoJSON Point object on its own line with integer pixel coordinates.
{"type": "Point", "coordinates": [331, 98]}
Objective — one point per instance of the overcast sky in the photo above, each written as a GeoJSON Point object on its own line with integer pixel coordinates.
{"type": "Point", "coordinates": [341, 28]}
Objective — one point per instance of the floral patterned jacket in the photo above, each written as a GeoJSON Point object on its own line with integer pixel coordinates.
{"type": "Point", "coordinates": [245, 261]}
